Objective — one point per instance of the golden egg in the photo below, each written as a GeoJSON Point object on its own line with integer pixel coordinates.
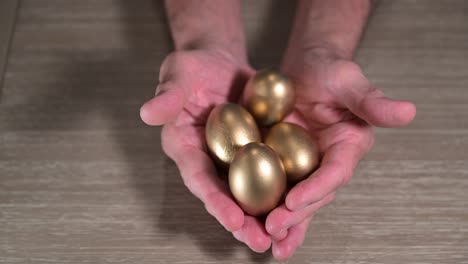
{"type": "Point", "coordinates": [257, 179]}
{"type": "Point", "coordinates": [298, 151]}
{"type": "Point", "coordinates": [269, 97]}
{"type": "Point", "coordinates": [228, 128]}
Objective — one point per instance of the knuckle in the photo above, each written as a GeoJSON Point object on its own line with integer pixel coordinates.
{"type": "Point", "coordinates": [373, 92]}
{"type": "Point", "coordinates": [345, 71]}
{"type": "Point", "coordinates": [342, 175]}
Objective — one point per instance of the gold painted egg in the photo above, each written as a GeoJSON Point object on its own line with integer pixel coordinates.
{"type": "Point", "coordinates": [299, 153]}
{"type": "Point", "coordinates": [228, 128]}
{"type": "Point", "coordinates": [269, 96]}
{"type": "Point", "coordinates": [257, 179]}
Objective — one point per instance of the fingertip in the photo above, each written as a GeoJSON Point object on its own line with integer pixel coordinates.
{"type": "Point", "coordinates": [271, 225]}
{"type": "Point", "coordinates": [163, 108]}
{"type": "Point", "coordinates": [261, 244]}
{"type": "Point", "coordinates": [150, 112]}
{"type": "Point", "coordinates": [281, 252]}
{"type": "Point", "coordinates": [285, 248]}
{"type": "Point", "coordinates": [280, 235]}
{"type": "Point", "coordinates": [256, 243]}
{"type": "Point", "coordinates": [406, 113]}
{"type": "Point", "coordinates": [275, 221]}
{"type": "Point", "coordinates": [255, 235]}
{"type": "Point", "coordinates": [223, 208]}
{"type": "Point", "coordinates": [145, 114]}
{"type": "Point", "coordinates": [401, 113]}
{"type": "Point", "coordinates": [385, 112]}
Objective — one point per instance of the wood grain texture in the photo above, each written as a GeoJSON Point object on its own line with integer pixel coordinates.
{"type": "Point", "coordinates": [82, 180]}
{"type": "Point", "coordinates": [8, 10]}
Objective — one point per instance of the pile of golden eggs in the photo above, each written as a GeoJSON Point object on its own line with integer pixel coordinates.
{"type": "Point", "coordinates": [259, 173]}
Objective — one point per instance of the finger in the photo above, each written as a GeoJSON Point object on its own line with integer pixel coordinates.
{"type": "Point", "coordinates": [200, 177]}
{"type": "Point", "coordinates": [336, 169]}
{"type": "Point", "coordinates": [284, 249]}
{"type": "Point", "coordinates": [369, 103]}
{"type": "Point", "coordinates": [253, 234]}
{"type": "Point", "coordinates": [384, 112]}
{"type": "Point", "coordinates": [164, 107]}
{"type": "Point", "coordinates": [282, 234]}
{"type": "Point", "coordinates": [282, 218]}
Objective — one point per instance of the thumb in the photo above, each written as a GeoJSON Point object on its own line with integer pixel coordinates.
{"type": "Point", "coordinates": [370, 104]}
{"type": "Point", "coordinates": [384, 112]}
{"type": "Point", "coordinates": [164, 107]}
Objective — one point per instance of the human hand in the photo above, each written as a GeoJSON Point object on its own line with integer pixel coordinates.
{"type": "Point", "coordinates": [338, 106]}
{"type": "Point", "coordinates": [191, 84]}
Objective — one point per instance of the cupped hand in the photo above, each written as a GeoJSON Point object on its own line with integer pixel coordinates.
{"type": "Point", "coordinates": [191, 84]}
{"type": "Point", "coordinates": [339, 106]}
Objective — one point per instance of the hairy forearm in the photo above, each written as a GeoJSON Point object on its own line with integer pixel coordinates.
{"type": "Point", "coordinates": [206, 24]}
{"type": "Point", "coordinates": [332, 25]}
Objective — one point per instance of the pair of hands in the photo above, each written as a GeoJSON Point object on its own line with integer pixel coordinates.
{"type": "Point", "coordinates": [335, 102]}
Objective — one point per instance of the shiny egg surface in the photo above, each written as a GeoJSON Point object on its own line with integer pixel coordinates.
{"type": "Point", "coordinates": [298, 151]}
{"type": "Point", "coordinates": [228, 128]}
{"type": "Point", "coordinates": [269, 96]}
{"type": "Point", "coordinates": [257, 179]}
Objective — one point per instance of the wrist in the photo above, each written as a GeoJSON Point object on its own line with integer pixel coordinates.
{"type": "Point", "coordinates": [333, 27]}
{"type": "Point", "coordinates": [234, 51]}
{"type": "Point", "coordinates": [207, 25]}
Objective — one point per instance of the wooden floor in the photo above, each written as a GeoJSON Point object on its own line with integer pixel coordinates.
{"type": "Point", "coordinates": [82, 180]}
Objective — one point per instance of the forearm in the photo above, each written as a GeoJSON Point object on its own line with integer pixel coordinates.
{"type": "Point", "coordinates": [333, 25]}
{"type": "Point", "coordinates": [206, 24]}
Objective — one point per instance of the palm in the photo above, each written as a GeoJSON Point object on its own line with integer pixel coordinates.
{"type": "Point", "coordinates": [335, 102]}
{"type": "Point", "coordinates": [210, 78]}
{"type": "Point", "coordinates": [337, 105]}
{"type": "Point", "coordinates": [320, 108]}
{"type": "Point", "coordinates": [192, 83]}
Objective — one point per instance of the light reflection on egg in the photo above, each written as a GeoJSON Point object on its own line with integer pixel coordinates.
{"type": "Point", "coordinates": [228, 128]}
{"type": "Point", "coordinates": [269, 96]}
{"type": "Point", "coordinates": [257, 179]}
{"type": "Point", "coordinates": [298, 151]}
